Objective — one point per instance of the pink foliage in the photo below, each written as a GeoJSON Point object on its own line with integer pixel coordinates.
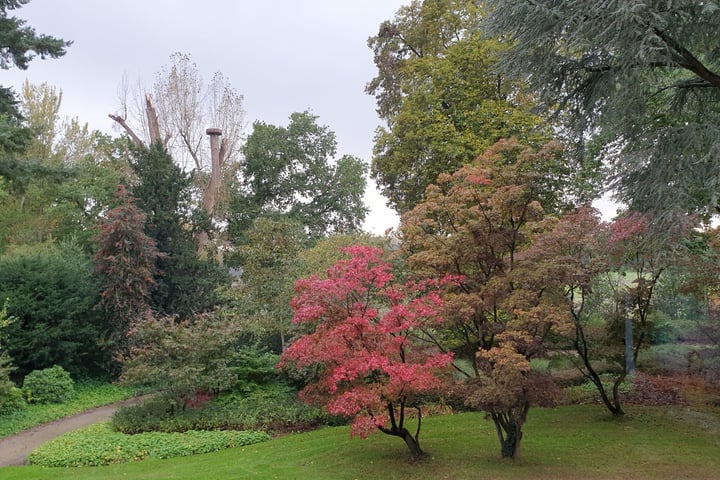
{"type": "Point", "coordinates": [628, 227]}
{"type": "Point", "coordinates": [366, 338]}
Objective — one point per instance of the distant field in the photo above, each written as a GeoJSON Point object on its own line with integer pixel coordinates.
{"type": "Point", "coordinates": [577, 442]}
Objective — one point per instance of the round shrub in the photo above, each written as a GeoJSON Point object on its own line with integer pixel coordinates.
{"type": "Point", "coordinates": [50, 385]}
{"type": "Point", "coordinates": [11, 400]}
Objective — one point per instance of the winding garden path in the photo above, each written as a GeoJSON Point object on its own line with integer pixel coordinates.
{"type": "Point", "coordinates": [14, 449]}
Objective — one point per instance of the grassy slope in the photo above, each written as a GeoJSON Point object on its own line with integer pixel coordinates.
{"type": "Point", "coordinates": [566, 443]}
{"type": "Point", "coordinates": [88, 395]}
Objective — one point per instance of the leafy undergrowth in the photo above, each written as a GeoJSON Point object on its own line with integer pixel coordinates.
{"type": "Point", "coordinates": [571, 442]}
{"type": "Point", "coordinates": [100, 445]}
{"type": "Point", "coordinates": [273, 408]}
{"type": "Point", "coordinates": [88, 394]}
{"type": "Point", "coordinates": [652, 390]}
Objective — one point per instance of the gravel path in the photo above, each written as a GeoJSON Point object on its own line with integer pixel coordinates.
{"type": "Point", "coordinates": [14, 449]}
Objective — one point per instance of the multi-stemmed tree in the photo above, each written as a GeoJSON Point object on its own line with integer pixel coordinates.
{"type": "Point", "coordinates": [474, 224]}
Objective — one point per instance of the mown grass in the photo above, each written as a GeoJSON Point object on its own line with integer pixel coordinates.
{"type": "Point", "coordinates": [88, 394]}
{"type": "Point", "coordinates": [565, 443]}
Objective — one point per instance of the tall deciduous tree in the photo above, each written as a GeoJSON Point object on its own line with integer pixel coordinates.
{"type": "Point", "coordinates": [66, 178]}
{"type": "Point", "coordinates": [474, 224]}
{"type": "Point", "coordinates": [41, 110]}
{"type": "Point", "coordinates": [441, 97]}
{"type": "Point", "coordinates": [270, 265]}
{"type": "Point", "coordinates": [640, 79]}
{"type": "Point", "coordinates": [180, 113]}
{"type": "Point", "coordinates": [363, 347]}
{"type": "Point", "coordinates": [292, 170]}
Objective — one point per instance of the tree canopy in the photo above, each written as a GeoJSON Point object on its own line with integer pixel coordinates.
{"type": "Point", "coordinates": [19, 43]}
{"type": "Point", "coordinates": [363, 344]}
{"type": "Point", "coordinates": [638, 84]}
{"type": "Point", "coordinates": [474, 224]}
{"type": "Point", "coordinates": [441, 97]}
{"type": "Point", "coordinates": [291, 170]}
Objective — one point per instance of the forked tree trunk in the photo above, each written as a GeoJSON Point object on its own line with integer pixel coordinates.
{"type": "Point", "coordinates": [397, 429]}
{"type": "Point", "coordinates": [508, 426]}
{"type": "Point", "coordinates": [153, 125]}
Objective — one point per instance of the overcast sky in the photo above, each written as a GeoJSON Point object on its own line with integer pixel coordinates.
{"type": "Point", "coordinates": [284, 56]}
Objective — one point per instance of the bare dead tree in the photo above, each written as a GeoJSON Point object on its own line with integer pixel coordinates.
{"type": "Point", "coordinates": [178, 114]}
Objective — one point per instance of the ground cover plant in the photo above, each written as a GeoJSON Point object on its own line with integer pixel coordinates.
{"type": "Point", "coordinates": [99, 445]}
{"type": "Point", "coordinates": [273, 408]}
{"type": "Point", "coordinates": [569, 442]}
{"type": "Point", "coordinates": [88, 394]}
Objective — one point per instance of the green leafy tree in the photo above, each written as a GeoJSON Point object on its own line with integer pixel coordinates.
{"type": "Point", "coordinates": [52, 292]}
{"type": "Point", "coordinates": [62, 180]}
{"type": "Point", "coordinates": [181, 359]}
{"type": "Point", "coordinates": [638, 79]}
{"type": "Point", "coordinates": [43, 202]}
{"type": "Point", "coordinates": [441, 97]}
{"type": "Point", "coordinates": [186, 284]}
{"type": "Point", "coordinates": [269, 269]}
{"type": "Point", "coordinates": [291, 170]}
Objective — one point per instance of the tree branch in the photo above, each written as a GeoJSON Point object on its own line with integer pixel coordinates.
{"type": "Point", "coordinates": [687, 60]}
{"type": "Point", "coordinates": [121, 121]}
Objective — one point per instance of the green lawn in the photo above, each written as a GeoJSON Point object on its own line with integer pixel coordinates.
{"type": "Point", "coordinates": [89, 394]}
{"type": "Point", "coordinates": [579, 442]}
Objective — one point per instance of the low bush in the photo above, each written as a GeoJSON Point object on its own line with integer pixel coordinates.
{"type": "Point", "coordinates": [666, 359]}
{"type": "Point", "coordinates": [657, 390]}
{"type": "Point", "coordinates": [587, 392]}
{"type": "Point", "coordinates": [274, 407]}
{"type": "Point", "coordinates": [159, 415]}
{"type": "Point", "coordinates": [11, 400]}
{"type": "Point", "coordinates": [50, 385]}
{"type": "Point", "coordinates": [100, 445]}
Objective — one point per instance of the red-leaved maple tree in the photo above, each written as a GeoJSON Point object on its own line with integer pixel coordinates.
{"type": "Point", "coordinates": [365, 344]}
{"type": "Point", "coordinates": [126, 261]}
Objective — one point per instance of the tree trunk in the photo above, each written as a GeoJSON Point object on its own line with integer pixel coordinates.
{"type": "Point", "coordinates": [412, 443]}
{"type": "Point", "coordinates": [509, 429]}
{"type": "Point", "coordinates": [152, 119]}
{"type": "Point", "coordinates": [209, 198]}
{"type": "Point", "coordinates": [581, 347]}
{"type": "Point", "coordinates": [397, 429]}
